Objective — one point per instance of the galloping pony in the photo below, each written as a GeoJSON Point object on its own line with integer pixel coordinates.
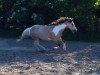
{"type": "Point", "coordinates": [51, 32]}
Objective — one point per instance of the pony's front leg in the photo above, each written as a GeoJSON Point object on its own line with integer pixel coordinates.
{"type": "Point", "coordinates": [38, 46]}
{"type": "Point", "coordinates": [64, 45]}
{"type": "Point", "coordinates": [56, 45]}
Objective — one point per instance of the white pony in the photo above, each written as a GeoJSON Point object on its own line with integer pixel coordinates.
{"type": "Point", "coordinates": [52, 32]}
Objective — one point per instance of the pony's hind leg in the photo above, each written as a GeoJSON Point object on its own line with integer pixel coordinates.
{"type": "Point", "coordinates": [38, 46]}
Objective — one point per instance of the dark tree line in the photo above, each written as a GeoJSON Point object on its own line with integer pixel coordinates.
{"type": "Point", "coordinates": [19, 14]}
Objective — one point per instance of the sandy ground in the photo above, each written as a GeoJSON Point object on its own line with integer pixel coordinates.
{"type": "Point", "coordinates": [21, 58]}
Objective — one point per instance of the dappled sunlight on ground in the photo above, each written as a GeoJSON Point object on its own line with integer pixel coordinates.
{"type": "Point", "coordinates": [79, 59]}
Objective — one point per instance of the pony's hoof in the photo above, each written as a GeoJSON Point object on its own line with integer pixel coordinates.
{"type": "Point", "coordinates": [42, 51]}
{"type": "Point", "coordinates": [56, 48]}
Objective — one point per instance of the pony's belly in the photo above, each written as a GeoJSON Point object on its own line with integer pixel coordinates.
{"type": "Point", "coordinates": [45, 38]}
{"type": "Point", "coordinates": [44, 35]}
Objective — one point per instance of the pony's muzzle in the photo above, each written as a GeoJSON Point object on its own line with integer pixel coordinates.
{"type": "Point", "coordinates": [74, 31]}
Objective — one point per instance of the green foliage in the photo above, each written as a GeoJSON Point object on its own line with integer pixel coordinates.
{"type": "Point", "coordinates": [97, 4]}
{"type": "Point", "coordinates": [19, 14]}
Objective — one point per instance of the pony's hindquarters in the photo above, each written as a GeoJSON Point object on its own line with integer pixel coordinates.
{"type": "Point", "coordinates": [25, 34]}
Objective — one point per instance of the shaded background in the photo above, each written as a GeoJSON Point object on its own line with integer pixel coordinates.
{"type": "Point", "coordinates": [16, 15]}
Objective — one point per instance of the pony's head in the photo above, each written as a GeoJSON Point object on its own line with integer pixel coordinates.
{"type": "Point", "coordinates": [70, 24]}
{"type": "Point", "coordinates": [68, 21]}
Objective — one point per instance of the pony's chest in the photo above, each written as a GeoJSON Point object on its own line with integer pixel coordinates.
{"type": "Point", "coordinates": [57, 30]}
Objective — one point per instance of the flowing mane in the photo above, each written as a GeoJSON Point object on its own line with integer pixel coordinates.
{"type": "Point", "coordinates": [61, 20]}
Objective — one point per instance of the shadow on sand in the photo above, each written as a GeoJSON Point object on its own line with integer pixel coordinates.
{"type": "Point", "coordinates": [81, 58]}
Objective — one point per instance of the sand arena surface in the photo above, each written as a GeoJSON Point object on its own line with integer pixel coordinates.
{"type": "Point", "coordinates": [21, 58]}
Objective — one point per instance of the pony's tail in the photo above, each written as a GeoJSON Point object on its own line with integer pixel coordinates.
{"type": "Point", "coordinates": [25, 34]}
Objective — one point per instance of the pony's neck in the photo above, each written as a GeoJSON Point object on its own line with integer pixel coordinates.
{"type": "Point", "coordinates": [58, 28]}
